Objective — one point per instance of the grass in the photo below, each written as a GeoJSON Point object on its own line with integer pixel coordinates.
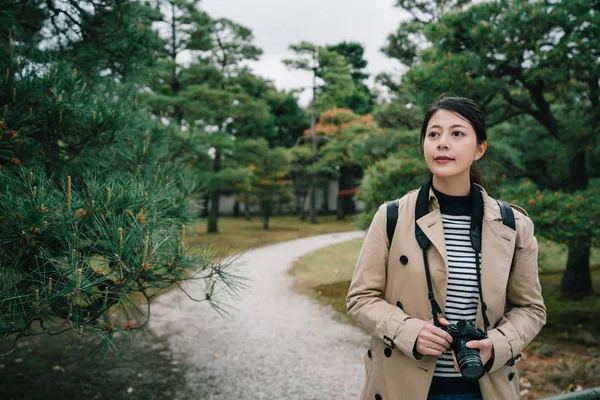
{"type": "Point", "coordinates": [237, 234]}
{"type": "Point", "coordinates": [553, 256]}
{"type": "Point", "coordinates": [325, 274]}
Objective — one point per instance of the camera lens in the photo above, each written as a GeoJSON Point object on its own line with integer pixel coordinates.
{"type": "Point", "coordinates": [469, 361]}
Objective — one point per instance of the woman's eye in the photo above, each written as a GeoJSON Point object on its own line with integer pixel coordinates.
{"type": "Point", "coordinates": [432, 134]}
{"type": "Point", "coordinates": [457, 133]}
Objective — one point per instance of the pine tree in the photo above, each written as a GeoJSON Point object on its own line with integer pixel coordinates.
{"type": "Point", "coordinates": [94, 197]}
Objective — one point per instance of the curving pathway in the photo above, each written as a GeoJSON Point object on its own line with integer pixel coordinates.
{"type": "Point", "coordinates": [278, 345]}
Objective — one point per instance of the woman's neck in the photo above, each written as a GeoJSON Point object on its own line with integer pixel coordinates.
{"type": "Point", "coordinates": [453, 186]}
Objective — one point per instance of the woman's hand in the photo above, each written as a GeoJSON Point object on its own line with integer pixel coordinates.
{"type": "Point", "coordinates": [433, 340]}
{"type": "Point", "coordinates": [486, 351]}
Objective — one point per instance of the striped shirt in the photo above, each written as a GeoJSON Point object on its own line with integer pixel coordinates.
{"type": "Point", "coordinates": [462, 295]}
{"type": "Point", "coordinates": [462, 291]}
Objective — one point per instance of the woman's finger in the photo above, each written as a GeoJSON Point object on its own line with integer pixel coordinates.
{"type": "Point", "coordinates": [431, 349]}
{"type": "Point", "coordinates": [440, 332]}
{"type": "Point", "coordinates": [431, 341]}
{"type": "Point", "coordinates": [455, 362]}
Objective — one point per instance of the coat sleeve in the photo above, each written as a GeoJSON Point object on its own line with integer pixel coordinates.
{"type": "Point", "coordinates": [365, 301]}
{"type": "Point", "coordinates": [526, 311]}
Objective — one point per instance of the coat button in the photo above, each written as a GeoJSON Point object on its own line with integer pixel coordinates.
{"type": "Point", "coordinates": [378, 397]}
{"type": "Point", "coordinates": [403, 260]}
{"type": "Point", "coordinates": [369, 354]}
{"type": "Point", "coordinates": [399, 304]}
{"type": "Point", "coordinates": [388, 352]}
{"type": "Point", "coordinates": [511, 376]}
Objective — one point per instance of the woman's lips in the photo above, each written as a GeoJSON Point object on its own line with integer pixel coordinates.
{"type": "Point", "coordinates": [443, 160]}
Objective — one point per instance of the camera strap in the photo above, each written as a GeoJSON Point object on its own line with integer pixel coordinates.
{"type": "Point", "coordinates": [422, 209]}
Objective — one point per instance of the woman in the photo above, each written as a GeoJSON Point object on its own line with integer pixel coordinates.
{"type": "Point", "coordinates": [409, 356]}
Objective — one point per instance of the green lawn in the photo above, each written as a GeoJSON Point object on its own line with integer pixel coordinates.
{"type": "Point", "coordinates": [237, 234]}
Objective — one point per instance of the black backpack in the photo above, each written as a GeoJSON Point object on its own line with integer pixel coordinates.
{"type": "Point", "coordinates": [508, 219]}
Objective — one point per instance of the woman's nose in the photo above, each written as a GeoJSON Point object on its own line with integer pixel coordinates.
{"type": "Point", "coordinates": [443, 142]}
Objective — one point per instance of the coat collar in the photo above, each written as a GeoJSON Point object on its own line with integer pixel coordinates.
{"type": "Point", "coordinates": [491, 210]}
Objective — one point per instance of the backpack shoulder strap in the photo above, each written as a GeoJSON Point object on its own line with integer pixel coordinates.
{"type": "Point", "coordinates": [508, 219]}
{"type": "Point", "coordinates": [392, 219]}
{"type": "Point", "coordinates": [508, 215]}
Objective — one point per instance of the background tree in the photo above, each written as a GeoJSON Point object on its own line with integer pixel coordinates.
{"type": "Point", "coordinates": [307, 59]}
{"type": "Point", "coordinates": [389, 179]}
{"type": "Point", "coordinates": [405, 45]}
{"type": "Point", "coordinates": [184, 29]}
{"type": "Point", "coordinates": [340, 127]}
{"type": "Point", "coordinates": [269, 185]}
{"type": "Point", "coordinates": [533, 63]}
{"type": "Point", "coordinates": [362, 100]}
{"type": "Point", "coordinates": [336, 87]}
{"type": "Point", "coordinates": [286, 121]}
{"type": "Point", "coordinates": [301, 158]}
{"type": "Point", "coordinates": [217, 104]}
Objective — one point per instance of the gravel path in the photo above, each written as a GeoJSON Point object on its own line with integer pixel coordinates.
{"type": "Point", "coordinates": [278, 345]}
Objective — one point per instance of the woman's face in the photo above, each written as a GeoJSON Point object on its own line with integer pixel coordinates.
{"type": "Point", "coordinates": [450, 145]}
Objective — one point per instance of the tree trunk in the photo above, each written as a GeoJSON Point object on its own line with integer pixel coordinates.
{"type": "Point", "coordinates": [236, 209]}
{"type": "Point", "coordinates": [577, 279]}
{"type": "Point", "coordinates": [339, 210]}
{"type": "Point", "coordinates": [313, 201]}
{"type": "Point", "coordinates": [345, 203]}
{"type": "Point", "coordinates": [266, 215]}
{"type": "Point", "coordinates": [578, 175]}
{"type": "Point", "coordinates": [206, 200]}
{"type": "Point", "coordinates": [213, 215]}
{"type": "Point", "coordinates": [247, 215]}
{"type": "Point", "coordinates": [298, 204]}
{"type": "Point", "coordinates": [325, 205]}
{"type": "Point", "coordinates": [215, 195]}
{"type": "Point", "coordinates": [175, 84]}
{"type": "Point", "coordinates": [303, 211]}
{"type": "Point", "coordinates": [313, 134]}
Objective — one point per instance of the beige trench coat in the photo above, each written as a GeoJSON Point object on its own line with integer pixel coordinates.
{"type": "Point", "coordinates": [388, 297]}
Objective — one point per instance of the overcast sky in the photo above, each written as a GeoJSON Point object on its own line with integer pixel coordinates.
{"type": "Point", "coordinates": [277, 24]}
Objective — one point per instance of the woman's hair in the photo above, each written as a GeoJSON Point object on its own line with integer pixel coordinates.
{"type": "Point", "coordinates": [469, 110]}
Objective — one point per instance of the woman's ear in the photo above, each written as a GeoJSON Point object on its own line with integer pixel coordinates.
{"type": "Point", "coordinates": [481, 148]}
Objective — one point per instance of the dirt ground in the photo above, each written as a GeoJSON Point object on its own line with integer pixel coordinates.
{"type": "Point", "coordinates": [54, 368]}
{"type": "Point", "coordinates": [553, 367]}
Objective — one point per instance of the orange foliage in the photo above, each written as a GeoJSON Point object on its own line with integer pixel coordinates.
{"type": "Point", "coordinates": [333, 120]}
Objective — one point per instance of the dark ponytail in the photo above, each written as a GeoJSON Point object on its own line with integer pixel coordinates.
{"type": "Point", "coordinates": [473, 113]}
{"type": "Point", "coordinates": [477, 176]}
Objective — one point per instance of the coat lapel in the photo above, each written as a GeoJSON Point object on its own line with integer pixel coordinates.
{"type": "Point", "coordinates": [431, 224]}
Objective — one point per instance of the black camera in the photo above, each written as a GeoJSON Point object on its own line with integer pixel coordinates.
{"type": "Point", "coordinates": [468, 359]}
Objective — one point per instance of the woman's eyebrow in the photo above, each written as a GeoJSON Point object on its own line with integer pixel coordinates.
{"type": "Point", "coordinates": [452, 127]}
